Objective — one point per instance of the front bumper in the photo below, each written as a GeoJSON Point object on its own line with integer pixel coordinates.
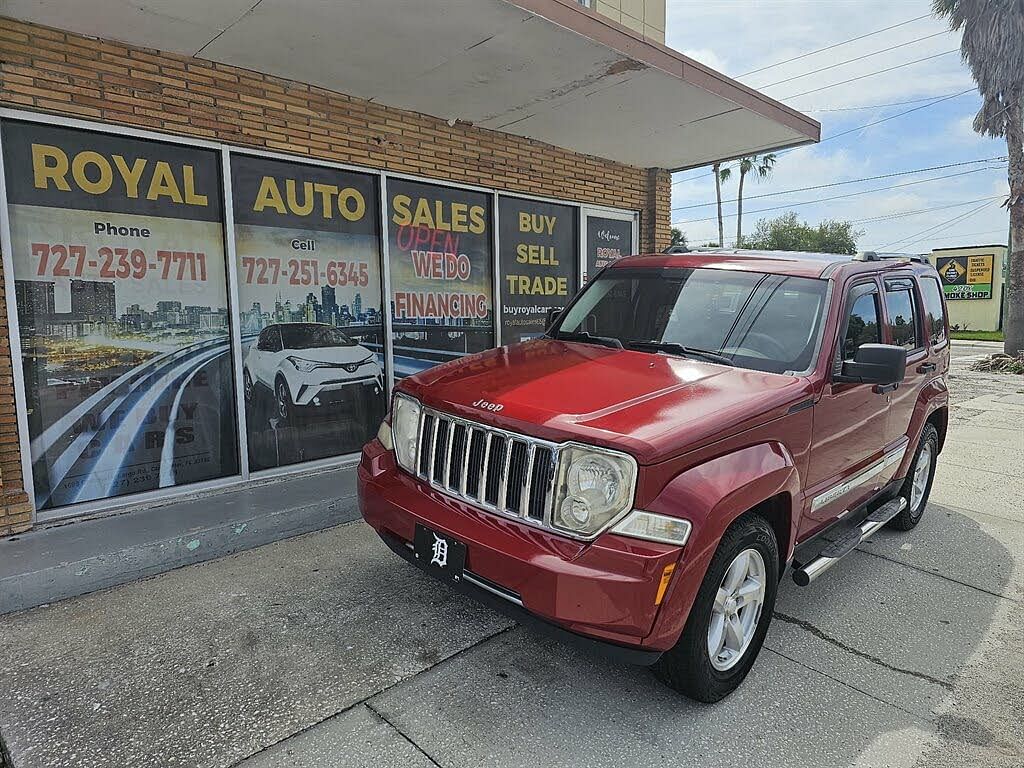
{"type": "Point", "coordinates": [329, 385]}
{"type": "Point", "coordinates": [604, 590]}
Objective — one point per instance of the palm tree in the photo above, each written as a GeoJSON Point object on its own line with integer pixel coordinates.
{"type": "Point", "coordinates": [993, 47]}
{"type": "Point", "coordinates": [761, 166]}
{"type": "Point", "coordinates": [721, 174]}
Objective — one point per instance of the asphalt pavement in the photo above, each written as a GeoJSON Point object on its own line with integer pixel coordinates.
{"type": "Point", "coordinates": [327, 650]}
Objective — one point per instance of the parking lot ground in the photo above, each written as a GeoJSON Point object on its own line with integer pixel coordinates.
{"type": "Point", "coordinates": [327, 650]}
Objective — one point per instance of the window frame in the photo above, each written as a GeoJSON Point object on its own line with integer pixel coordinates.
{"type": "Point", "coordinates": [945, 311]}
{"type": "Point", "coordinates": [853, 293]}
{"type": "Point", "coordinates": [905, 282]}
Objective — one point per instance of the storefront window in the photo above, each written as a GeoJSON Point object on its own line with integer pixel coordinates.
{"type": "Point", "coordinates": [608, 240]}
{"type": "Point", "coordinates": [308, 252]}
{"type": "Point", "coordinates": [440, 254]}
{"type": "Point", "coordinates": [120, 281]}
{"type": "Point", "coordinates": [539, 260]}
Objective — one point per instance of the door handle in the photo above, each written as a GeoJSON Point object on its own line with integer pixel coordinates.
{"type": "Point", "coordinates": [926, 367]}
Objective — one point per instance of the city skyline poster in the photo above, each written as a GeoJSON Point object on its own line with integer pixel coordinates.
{"type": "Point", "coordinates": [309, 286]}
{"type": "Point", "coordinates": [120, 282]}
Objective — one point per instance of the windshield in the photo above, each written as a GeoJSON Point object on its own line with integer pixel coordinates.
{"type": "Point", "coordinates": [752, 320]}
{"type": "Point", "coordinates": [313, 336]}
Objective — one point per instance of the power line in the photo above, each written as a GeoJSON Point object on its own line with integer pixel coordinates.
{"type": "Point", "coordinates": [850, 61]}
{"type": "Point", "coordinates": [872, 106]}
{"type": "Point", "coordinates": [848, 181]}
{"type": "Point", "coordinates": [834, 45]}
{"type": "Point", "coordinates": [1001, 230]}
{"type": "Point", "coordinates": [906, 242]}
{"type": "Point", "coordinates": [918, 212]}
{"type": "Point", "coordinates": [870, 74]}
{"type": "Point", "coordinates": [847, 194]}
{"type": "Point", "coordinates": [835, 136]}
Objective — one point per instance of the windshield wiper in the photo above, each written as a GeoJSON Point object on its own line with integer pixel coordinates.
{"type": "Point", "coordinates": [678, 349]}
{"type": "Point", "coordinates": [584, 336]}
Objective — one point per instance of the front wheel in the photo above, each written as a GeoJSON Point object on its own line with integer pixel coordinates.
{"type": "Point", "coordinates": [729, 617]}
{"type": "Point", "coordinates": [282, 400]}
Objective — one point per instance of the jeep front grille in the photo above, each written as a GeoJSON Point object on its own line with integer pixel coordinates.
{"type": "Point", "coordinates": [500, 471]}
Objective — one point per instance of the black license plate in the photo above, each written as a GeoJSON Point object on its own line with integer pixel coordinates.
{"type": "Point", "coordinates": [441, 555]}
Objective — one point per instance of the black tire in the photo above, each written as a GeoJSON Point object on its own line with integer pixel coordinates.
{"type": "Point", "coordinates": [282, 400]}
{"type": "Point", "coordinates": [248, 387]}
{"type": "Point", "coordinates": [911, 514]}
{"type": "Point", "coordinates": [687, 666]}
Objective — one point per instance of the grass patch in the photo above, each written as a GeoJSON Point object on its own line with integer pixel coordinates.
{"type": "Point", "coordinates": [977, 335]}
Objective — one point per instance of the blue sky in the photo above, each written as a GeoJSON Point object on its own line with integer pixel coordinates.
{"type": "Point", "coordinates": [737, 36]}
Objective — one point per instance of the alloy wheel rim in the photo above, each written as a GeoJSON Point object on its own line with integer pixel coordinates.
{"type": "Point", "coordinates": [737, 610]}
{"type": "Point", "coordinates": [919, 484]}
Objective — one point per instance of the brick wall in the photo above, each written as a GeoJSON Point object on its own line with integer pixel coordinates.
{"type": "Point", "coordinates": [47, 70]}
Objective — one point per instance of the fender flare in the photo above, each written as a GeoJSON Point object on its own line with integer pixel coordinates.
{"type": "Point", "coordinates": [712, 495]}
{"type": "Point", "coordinates": [933, 397]}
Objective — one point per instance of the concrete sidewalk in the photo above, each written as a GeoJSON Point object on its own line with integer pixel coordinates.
{"type": "Point", "coordinates": [327, 650]}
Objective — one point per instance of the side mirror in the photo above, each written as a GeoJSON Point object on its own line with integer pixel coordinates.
{"type": "Point", "coordinates": [883, 364]}
{"type": "Point", "coordinates": [552, 318]}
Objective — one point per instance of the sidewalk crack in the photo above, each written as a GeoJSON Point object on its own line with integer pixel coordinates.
{"type": "Point", "coordinates": [845, 684]}
{"type": "Point", "coordinates": [807, 626]}
{"type": "Point", "coordinates": [401, 733]}
{"type": "Point", "coordinates": [936, 574]}
{"type": "Point", "coordinates": [364, 701]}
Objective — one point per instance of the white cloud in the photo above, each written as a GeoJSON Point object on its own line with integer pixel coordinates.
{"type": "Point", "coordinates": [736, 36]}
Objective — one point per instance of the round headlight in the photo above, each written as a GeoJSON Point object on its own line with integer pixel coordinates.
{"type": "Point", "coordinates": [595, 487]}
{"type": "Point", "coordinates": [405, 427]}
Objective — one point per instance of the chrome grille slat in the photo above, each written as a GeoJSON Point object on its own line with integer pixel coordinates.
{"type": "Point", "coordinates": [465, 460]}
{"type": "Point", "coordinates": [485, 473]}
{"type": "Point", "coordinates": [448, 456]}
{"type": "Point", "coordinates": [504, 479]}
{"type": "Point", "coordinates": [500, 471]}
{"type": "Point", "coordinates": [527, 493]}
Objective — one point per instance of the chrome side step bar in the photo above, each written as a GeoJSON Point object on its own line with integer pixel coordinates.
{"type": "Point", "coordinates": [839, 548]}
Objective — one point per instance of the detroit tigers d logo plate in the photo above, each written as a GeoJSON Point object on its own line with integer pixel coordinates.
{"type": "Point", "coordinates": [438, 554]}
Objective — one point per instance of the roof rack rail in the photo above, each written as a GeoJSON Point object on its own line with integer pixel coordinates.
{"type": "Point", "coordinates": [921, 258]}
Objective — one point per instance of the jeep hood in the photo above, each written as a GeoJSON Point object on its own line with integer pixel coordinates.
{"type": "Point", "coordinates": [655, 406]}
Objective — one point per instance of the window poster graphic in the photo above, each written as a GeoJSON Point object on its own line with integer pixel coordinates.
{"type": "Point", "coordinates": [119, 275]}
{"type": "Point", "coordinates": [966, 277]}
{"type": "Point", "coordinates": [308, 250]}
{"type": "Point", "coordinates": [440, 256]}
{"type": "Point", "coordinates": [608, 240]}
{"type": "Point", "coordinates": [539, 247]}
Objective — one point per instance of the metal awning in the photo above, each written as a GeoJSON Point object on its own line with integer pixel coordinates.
{"type": "Point", "coordinates": [549, 70]}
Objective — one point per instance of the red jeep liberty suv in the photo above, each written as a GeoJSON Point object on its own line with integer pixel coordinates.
{"type": "Point", "coordinates": [690, 426]}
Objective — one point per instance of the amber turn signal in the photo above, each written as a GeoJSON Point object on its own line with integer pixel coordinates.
{"type": "Point", "coordinates": [666, 577]}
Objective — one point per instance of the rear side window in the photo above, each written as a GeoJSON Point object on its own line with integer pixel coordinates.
{"type": "Point", "coordinates": [899, 305]}
{"type": "Point", "coordinates": [863, 326]}
{"type": "Point", "coordinates": [935, 320]}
